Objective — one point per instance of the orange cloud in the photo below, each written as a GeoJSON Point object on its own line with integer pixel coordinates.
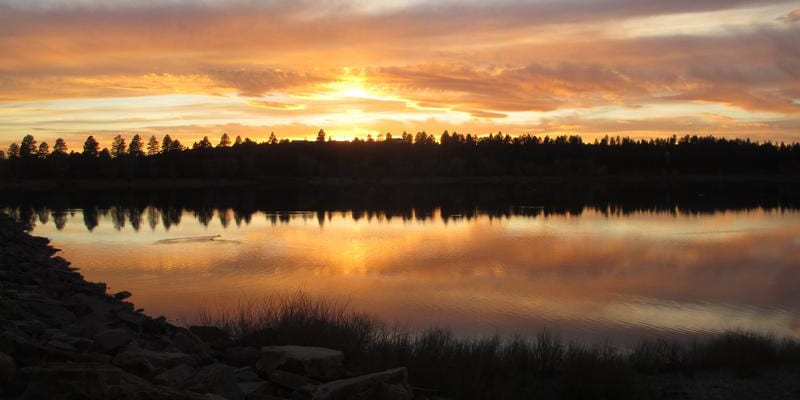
{"type": "Point", "coordinates": [511, 66]}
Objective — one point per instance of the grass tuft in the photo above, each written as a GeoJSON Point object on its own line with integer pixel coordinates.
{"type": "Point", "coordinates": [543, 366]}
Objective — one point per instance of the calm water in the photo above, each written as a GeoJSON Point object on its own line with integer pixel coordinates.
{"type": "Point", "coordinates": [595, 273]}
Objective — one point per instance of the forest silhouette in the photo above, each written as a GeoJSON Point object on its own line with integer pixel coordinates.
{"type": "Point", "coordinates": [451, 155]}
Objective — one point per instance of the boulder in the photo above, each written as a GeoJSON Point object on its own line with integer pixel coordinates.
{"type": "Point", "coordinates": [217, 379]}
{"type": "Point", "coordinates": [291, 381]}
{"type": "Point", "coordinates": [122, 295]}
{"type": "Point", "coordinates": [187, 343]}
{"type": "Point", "coordinates": [176, 377]}
{"type": "Point", "coordinates": [112, 339]}
{"type": "Point", "coordinates": [7, 369]}
{"type": "Point", "coordinates": [155, 325]}
{"type": "Point", "coordinates": [89, 381]}
{"type": "Point", "coordinates": [156, 359]}
{"type": "Point", "coordinates": [314, 362]}
{"type": "Point", "coordinates": [269, 362]}
{"type": "Point", "coordinates": [134, 363]}
{"type": "Point", "coordinates": [389, 383]}
{"type": "Point", "coordinates": [246, 374]}
{"type": "Point", "coordinates": [255, 390]}
{"type": "Point", "coordinates": [395, 391]}
{"type": "Point", "coordinates": [52, 313]}
{"type": "Point", "coordinates": [241, 356]}
{"type": "Point", "coordinates": [210, 334]}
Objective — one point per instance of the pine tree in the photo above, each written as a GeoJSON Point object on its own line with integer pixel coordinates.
{"type": "Point", "coordinates": [118, 146]}
{"type": "Point", "coordinates": [224, 141]}
{"type": "Point", "coordinates": [13, 150]}
{"type": "Point", "coordinates": [152, 146]}
{"type": "Point", "coordinates": [28, 148]}
{"type": "Point", "coordinates": [60, 147]}
{"type": "Point", "coordinates": [44, 150]}
{"type": "Point", "coordinates": [166, 144]}
{"type": "Point", "coordinates": [135, 148]}
{"type": "Point", "coordinates": [91, 147]}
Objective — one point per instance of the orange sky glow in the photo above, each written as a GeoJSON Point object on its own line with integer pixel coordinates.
{"type": "Point", "coordinates": [635, 68]}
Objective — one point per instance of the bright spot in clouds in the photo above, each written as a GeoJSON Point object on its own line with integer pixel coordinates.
{"type": "Point", "coordinates": [358, 68]}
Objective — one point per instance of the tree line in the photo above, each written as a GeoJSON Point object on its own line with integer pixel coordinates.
{"type": "Point", "coordinates": [406, 156]}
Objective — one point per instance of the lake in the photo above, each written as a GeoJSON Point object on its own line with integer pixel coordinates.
{"type": "Point", "coordinates": [593, 268]}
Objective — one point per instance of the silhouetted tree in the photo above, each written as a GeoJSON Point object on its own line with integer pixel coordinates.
{"type": "Point", "coordinates": [166, 144]}
{"type": "Point", "coordinates": [176, 145]}
{"type": "Point", "coordinates": [272, 138]}
{"type": "Point", "coordinates": [90, 218]}
{"type": "Point", "coordinates": [28, 148]}
{"type": "Point", "coordinates": [2, 155]}
{"type": "Point", "coordinates": [224, 141]}
{"type": "Point", "coordinates": [13, 150]}
{"type": "Point", "coordinates": [60, 147]}
{"type": "Point", "coordinates": [60, 219]}
{"type": "Point", "coordinates": [91, 147]}
{"type": "Point", "coordinates": [203, 144]}
{"type": "Point", "coordinates": [118, 146]}
{"type": "Point", "coordinates": [238, 141]}
{"type": "Point", "coordinates": [152, 146]}
{"type": "Point", "coordinates": [44, 150]}
{"type": "Point", "coordinates": [135, 148]}
{"type": "Point", "coordinates": [104, 155]}
{"type": "Point", "coordinates": [321, 136]}
{"type": "Point", "coordinates": [455, 155]}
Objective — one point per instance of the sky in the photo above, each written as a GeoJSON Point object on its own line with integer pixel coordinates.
{"type": "Point", "coordinates": [638, 68]}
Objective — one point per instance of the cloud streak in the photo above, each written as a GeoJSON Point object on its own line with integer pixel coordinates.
{"type": "Point", "coordinates": [511, 64]}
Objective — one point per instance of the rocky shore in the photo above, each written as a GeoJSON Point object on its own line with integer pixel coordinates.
{"type": "Point", "coordinates": [62, 337]}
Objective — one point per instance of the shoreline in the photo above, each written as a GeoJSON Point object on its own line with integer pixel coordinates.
{"type": "Point", "coordinates": [62, 336]}
{"type": "Point", "coordinates": [95, 184]}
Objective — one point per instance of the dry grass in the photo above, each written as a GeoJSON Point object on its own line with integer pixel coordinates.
{"type": "Point", "coordinates": [543, 366]}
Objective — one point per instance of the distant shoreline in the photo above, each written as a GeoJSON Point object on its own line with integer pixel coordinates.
{"type": "Point", "coordinates": [95, 184]}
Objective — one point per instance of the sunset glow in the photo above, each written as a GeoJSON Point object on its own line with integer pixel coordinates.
{"type": "Point", "coordinates": [355, 68]}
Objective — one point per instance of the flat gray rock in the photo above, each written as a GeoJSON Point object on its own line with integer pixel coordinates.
{"type": "Point", "coordinates": [315, 362]}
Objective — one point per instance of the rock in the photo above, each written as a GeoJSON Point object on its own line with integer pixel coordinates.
{"type": "Point", "coordinates": [134, 363]}
{"type": "Point", "coordinates": [246, 374]}
{"type": "Point", "coordinates": [122, 295]}
{"type": "Point", "coordinates": [60, 345]}
{"type": "Point", "coordinates": [7, 369]}
{"type": "Point", "coordinates": [155, 325]}
{"type": "Point", "coordinates": [269, 362]}
{"type": "Point", "coordinates": [255, 390]}
{"type": "Point", "coordinates": [79, 343]}
{"type": "Point", "coordinates": [157, 359]}
{"type": "Point", "coordinates": [112, 339]}
{"type": "Point", "coordinates": [315, 362]}
{"type": "Point", "coordinates": [187, 343]}
{"type": "Point", "coordinates": [210, 334]}
{"type": "Point", "coordinates": [131, 320]}
{"type": "Point", "coordinates": [370, 386]}
{"type": "Point", "coordinates": [91, 381]}
{"type": "Point", "coordinates": [395, 391]}
{"type": "Point", "coordinates": [176, 377]}
{"type": "Point", "coordinates": [217, 379]}
{"type": "Point", "coordinates": [290, 380]}
{"type": "Point", "coordinates": [33, 327]}
{"type": "Point", "coordinates": [52, 312]}
{"type": "Point", "coordinates": [241, 356]}
{"type": "Point", "coordinates": [79, 309]}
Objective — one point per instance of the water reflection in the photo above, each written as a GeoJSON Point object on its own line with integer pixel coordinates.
{"type": "Point", "coordinates": [591, 267]}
